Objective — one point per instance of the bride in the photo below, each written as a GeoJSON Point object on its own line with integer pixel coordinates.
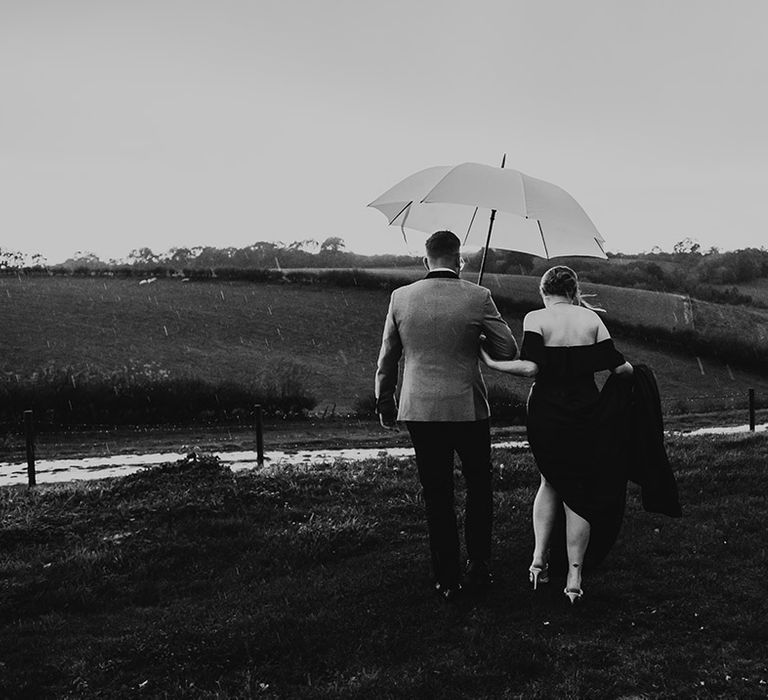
{"type": "Point", "coordinates": [564, 344]}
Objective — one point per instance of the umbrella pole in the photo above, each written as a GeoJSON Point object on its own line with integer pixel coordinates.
{"type": "Point", "coordinates": [488, 238]}
{"type": "Point", "coordinates": [485, 250]}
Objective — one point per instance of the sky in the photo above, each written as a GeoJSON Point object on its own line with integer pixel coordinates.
{"type": "Point", "coordinates": [171, 123]}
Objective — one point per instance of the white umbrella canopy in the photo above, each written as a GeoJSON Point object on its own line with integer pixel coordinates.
{"type": "Point", "coordinates": [473, 200]}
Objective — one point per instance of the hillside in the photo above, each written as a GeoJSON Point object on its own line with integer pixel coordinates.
{"type": "Point", "coordinates": [326, 337]}
{"type": "Point", "coordinates": [757, 289]}
{"type": "Point", "coordinates": [736, 334]}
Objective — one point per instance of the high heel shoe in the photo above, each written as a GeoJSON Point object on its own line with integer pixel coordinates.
{"type": "Point", "coordinates": [538, 574]}
{"type": "Point", "coordinates": [574, 595]}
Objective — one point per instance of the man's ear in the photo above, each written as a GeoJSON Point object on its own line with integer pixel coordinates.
{"type": "Point", "coordinates": [426, 262]}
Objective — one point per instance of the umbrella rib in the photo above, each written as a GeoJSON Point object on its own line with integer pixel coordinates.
{"type": "Point", "coordinates": [394, 218]}
{"type": "Point", "coordinates": [469, 228]}
{"type": "Point", "coordinates": [543, 242]}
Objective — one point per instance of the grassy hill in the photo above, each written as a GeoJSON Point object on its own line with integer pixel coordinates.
{"type": "Point", "coordinates": [757, 289]}
{"type": "Point", "coordinates": [325, 337]}
{"type": "Point", "coordinates": [738, 334]}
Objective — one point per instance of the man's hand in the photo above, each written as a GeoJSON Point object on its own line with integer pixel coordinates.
{"type": "Point", "coordinates": [388, 422]}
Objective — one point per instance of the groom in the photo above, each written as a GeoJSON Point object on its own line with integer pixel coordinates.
{"type": "Point", "coordinates": [438, 324]}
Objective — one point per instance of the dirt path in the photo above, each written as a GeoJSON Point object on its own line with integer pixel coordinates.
{"type": "Point", "coordinates": [285, 435]}
{"type": "Point", "coordinates": [277, 436]}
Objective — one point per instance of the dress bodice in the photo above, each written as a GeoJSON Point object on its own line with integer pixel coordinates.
{"type": "Point", "coordinates": [568, 363]}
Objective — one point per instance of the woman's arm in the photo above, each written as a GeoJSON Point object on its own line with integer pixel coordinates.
{"type": "Point", "coordinates": [522, 368]}
{"type": "Point", "coordinates": [603, 334]}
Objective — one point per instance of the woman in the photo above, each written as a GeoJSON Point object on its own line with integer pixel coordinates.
{"type": "Point", "coordinates": [567, 342]}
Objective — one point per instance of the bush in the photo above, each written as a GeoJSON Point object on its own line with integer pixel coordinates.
{"type": "Point", "coordinates": [281, 390]}
{"type": "Point", "coordinates": [365, 406]}
{"type": "Point", "coordinates": [729, 295]}
{"type": "Point", "coordinates": [148, 395]}
{"type": "Point", "coordinates": [346, 278]}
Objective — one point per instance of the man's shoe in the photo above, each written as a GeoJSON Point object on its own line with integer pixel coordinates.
{"type": "Point", "coordinates": [450, 594]}
{"type": "Point", "coordinates": [478, 576]}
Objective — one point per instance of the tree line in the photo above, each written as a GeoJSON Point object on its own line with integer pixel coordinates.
{"type": "Point", "coordinates": [330, 252]}
{"type": "Point", "coordinates": [708, 275]}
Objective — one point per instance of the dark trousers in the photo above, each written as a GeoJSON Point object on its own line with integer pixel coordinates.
{"type": "Point", "coordinates": [435, 444]}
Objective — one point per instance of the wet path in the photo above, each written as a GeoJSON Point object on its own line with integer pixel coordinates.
{"type": "Point", "coordinates": [74, 468]}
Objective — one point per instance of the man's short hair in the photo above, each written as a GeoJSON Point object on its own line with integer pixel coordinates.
{"type": "Point", "coordinates": [442, 245]}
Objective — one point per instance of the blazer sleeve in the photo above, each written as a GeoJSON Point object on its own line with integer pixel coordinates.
{"type": "Point", "coordinates": [387, 365]}
{"type": "Point", "coordinates": [499, 342]}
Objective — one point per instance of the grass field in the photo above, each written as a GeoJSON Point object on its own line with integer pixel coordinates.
{"type": "Point", "coordinates": [757, 289]}
{"type": "Point", "coordinates": [735, 331]}
{"type": "Point", "coordinates": [219, 332]}
{"type": "Point", "coordinates": [327, 336]}
{"type": "Point", "coordinates": [189, 582]}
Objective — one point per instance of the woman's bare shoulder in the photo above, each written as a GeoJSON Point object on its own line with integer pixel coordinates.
{"type": "Point", "coordinates": [587, 313]}
{"type": "Point", "coordinates": [533, 319]}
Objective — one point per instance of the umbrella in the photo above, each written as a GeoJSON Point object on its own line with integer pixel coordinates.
{"type": "Point", "coordinates": [525, 214]}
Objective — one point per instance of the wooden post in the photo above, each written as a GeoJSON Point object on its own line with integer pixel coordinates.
{"type": "Point", "coordinates": [29, 431]}
{"type": "Point", "coordinates": [259, 436]}
{"type": "Point", "coordinates": [752, 410]}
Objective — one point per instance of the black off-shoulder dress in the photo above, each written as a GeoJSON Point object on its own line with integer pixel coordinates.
{"type": "Point", "coordinates": [576, 446]}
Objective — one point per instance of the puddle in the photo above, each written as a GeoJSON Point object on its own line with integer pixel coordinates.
{"type": "Point", "coordinates": [70, 469]}
{"type": "Point", "coordinates": [56, 471]}
{"type": "Point", "coordinates": [729, 430]}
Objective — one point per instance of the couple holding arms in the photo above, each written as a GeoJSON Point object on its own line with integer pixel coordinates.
{"type": "Point", "coordinates": [442, 326]}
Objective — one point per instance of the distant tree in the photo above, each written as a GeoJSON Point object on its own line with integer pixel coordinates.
{"type": "Point", "coordinates": [263, 253]}
{"type": "Point", "coordinates": [10, 259]}
{"type": "Point", "coordinates": [332, 245]}
{"type": "Point", "coordinates": [15, 259]}
{"type": "Point", "coordinates": [143, 256]}
{"type": "Point", "coordinates": [308, 245]}
{"type": "Point", "coordinates": [84, 259]}
{"type": "Point", "coordinates": [688, 246]}
{"type": "Point", "coordinates": [211, 257]}
{"type": "Point", "coordinates": [179, 256]}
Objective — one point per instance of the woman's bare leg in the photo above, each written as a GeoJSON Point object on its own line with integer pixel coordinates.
{"type": "Point", "coordinates": [577, 539]}
{"type": "Point", "coordinates": [545, 507]}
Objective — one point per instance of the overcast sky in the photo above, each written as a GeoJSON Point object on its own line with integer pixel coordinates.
{"type": "Point", "coordinates": [167, 123]}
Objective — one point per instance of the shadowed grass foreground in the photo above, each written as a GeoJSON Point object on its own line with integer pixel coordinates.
{"type": "Point", "coordinates": [189, 581]}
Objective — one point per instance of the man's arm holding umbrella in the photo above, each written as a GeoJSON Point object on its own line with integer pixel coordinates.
{"type": "Point", "coordinates": [386, 371]}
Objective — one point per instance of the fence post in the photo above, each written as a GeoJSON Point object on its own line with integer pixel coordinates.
{"type": "Point", "coordinates": [752, 410]}
{"type": "Point", "coordinates": [259, 436]}
{"type": "Point", "coordinates": [29, 431]}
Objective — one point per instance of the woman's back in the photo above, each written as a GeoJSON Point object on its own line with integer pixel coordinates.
{"type": "Point", "coordinates": [566, 325]}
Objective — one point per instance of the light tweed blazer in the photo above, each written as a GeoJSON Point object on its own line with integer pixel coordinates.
{"type": "Point", "coordinates": [435, 325]}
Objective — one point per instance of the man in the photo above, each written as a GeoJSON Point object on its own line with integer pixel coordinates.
{"type": "Point", "coordinates": [437, 324]}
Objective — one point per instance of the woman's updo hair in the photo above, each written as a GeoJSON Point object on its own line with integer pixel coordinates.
{"type": "Point", "coordinates": [562, 281]}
